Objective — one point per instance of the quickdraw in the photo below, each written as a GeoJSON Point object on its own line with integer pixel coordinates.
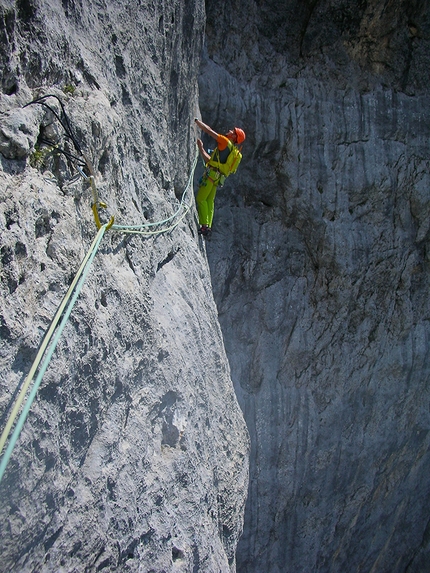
{"type": "Point", "coordinates": [80, 162]}
{"type": "Point", "coordinates": [96, 205]}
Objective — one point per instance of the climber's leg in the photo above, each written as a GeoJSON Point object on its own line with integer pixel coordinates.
{"type": "Point", "coordinates": [206, 189]}
{"type": "Point", "coordinates": [211, 204]}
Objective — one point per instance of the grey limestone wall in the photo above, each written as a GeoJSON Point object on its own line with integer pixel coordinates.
{"type": "Point", "coordinates": [320, 268]}
{"type": "Point", "coordinates": [134, 456]}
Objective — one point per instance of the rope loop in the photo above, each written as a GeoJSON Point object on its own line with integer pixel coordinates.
{"type": "Point", "coordinates": [55, 330]}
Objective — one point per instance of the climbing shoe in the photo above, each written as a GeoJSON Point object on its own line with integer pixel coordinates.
{"type": "Point", "coordinates": [206, 231]}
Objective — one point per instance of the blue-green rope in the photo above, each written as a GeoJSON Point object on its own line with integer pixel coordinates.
{"type": "Point", "coordinates": [177, 217]}
{"type": "Point", "coordinates": [67, 305]}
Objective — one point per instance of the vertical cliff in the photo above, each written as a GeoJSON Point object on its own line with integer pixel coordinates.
{"type": "Point", "coordinates": [134, 453]}
{"type": "Point", "coordinates": [320, 265]}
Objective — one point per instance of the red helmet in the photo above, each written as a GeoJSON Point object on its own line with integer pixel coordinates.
{"type": "Point", "coordinates": [240, 134]}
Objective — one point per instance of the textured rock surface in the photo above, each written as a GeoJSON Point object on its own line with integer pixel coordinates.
{"type": "Point", "coordinates": [323, 294]}
{"type": "Point", "coordinates": [134, 455]}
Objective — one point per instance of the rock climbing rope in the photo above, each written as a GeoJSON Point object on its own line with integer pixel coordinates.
{"type": "Point", "coordinates": [53, 334]}
{"type": "Point", "coordinates": [171, 222]}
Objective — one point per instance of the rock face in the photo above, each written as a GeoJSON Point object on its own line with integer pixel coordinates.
{"type": "Point", "coordinates": [320, 263]}
{"type": "Point", "coordinates": [134, 456]}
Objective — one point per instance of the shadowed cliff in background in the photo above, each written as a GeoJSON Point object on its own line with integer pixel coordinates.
{"type": "Point", "coordinates": [320, 264]}
{"type": "Point", "coordinates": [134, 456]}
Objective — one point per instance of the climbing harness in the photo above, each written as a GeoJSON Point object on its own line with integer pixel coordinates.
{"type": "Point", "coordinates": [55, 330]}
{"type": "Point", "coordinates": [231, 164]}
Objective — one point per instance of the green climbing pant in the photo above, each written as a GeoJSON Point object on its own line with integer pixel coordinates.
{"type": "Point", "coordinates": [206, 196]}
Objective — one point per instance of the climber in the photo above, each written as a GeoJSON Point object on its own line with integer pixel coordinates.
{"type": "Point", "coordinates": [223, 161]}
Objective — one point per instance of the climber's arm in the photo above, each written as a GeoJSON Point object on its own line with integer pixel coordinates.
{"type": "Point", "coordinates": [203, 152]}
{"type": "Point", "coordinates": [206, 129]}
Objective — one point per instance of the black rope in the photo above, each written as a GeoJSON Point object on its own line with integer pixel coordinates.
{"type": "Point", "coordinates": [58, 149]}
{"type": "Point", "coordinates": [63, 118]}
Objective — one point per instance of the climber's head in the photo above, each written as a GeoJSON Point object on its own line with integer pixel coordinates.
{"type": "Point", "coordinates": [236, 135]}
{"type": "Point", "coordinates": [240, 135]}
